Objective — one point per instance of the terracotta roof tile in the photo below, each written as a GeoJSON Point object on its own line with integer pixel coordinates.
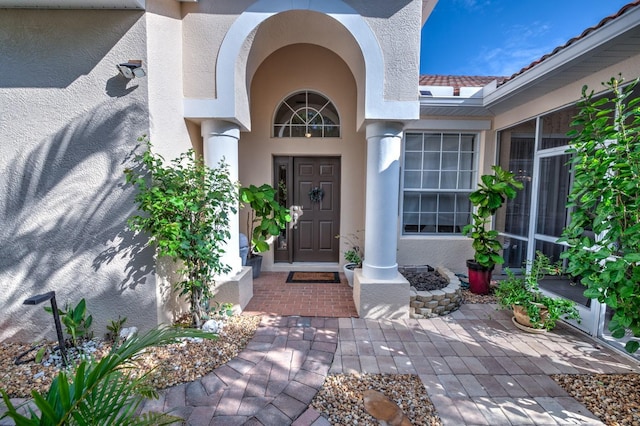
{"type": "Point", "coordinates": [457, 81]}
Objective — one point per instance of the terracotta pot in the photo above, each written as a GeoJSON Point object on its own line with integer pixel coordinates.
{"type": "Point", "coordinates": [479, 278]}
{"type": "Point", "coordinates": [521, 316]}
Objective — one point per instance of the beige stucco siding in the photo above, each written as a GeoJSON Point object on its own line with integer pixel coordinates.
{"type": "Point", "coordinates": [567, 94]}
{"type": "Point", "coordinates": [68, 124]}
{"type": "Point", "coordinates": [294, 68]}
{"type": "Point", "coordinates": [395, 25]}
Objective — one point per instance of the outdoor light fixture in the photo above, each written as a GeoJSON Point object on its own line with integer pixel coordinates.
{"type": "Point", "coordinates": [131, 69]}
{"type": "Point", "coordinates": [36, 300]}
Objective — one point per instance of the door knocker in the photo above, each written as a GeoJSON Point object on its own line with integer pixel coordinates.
{"type": "Point", "coordinates": [316, 195]}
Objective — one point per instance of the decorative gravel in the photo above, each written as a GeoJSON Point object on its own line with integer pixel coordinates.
{"type": "Point", "coordinates": [426, 281]}
{"type": "Point", "coordinates": [340, 399]}
{"type": "Point", "coordinates": [614, 398]}
{"type": "Point", "coordinates": [469, 297]}
{"type": "Point", "coordinates": [172, 364]}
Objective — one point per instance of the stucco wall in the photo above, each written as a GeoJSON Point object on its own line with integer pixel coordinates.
{"type": "Point", "coordinates": [294, 68]}
{"type": "Point", "coordinates": [568, 94]}
{"type": "Point", "coordinates": [68, 126]}
{"type": "Point", "coordinates": [168, 130]}
{"type": "Point", "coordinates": [396, 26]}
{"type": "Point", "coordinates": [450, 252]}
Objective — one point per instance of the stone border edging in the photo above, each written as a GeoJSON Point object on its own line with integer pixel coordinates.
{"type": "Point", "coordinates": [435, 303]}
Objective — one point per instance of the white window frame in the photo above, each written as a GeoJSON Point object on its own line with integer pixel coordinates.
{"type": "Point", "coordinates": [474, 173]}
{"type": "Point", "coordinates": [322, 111]}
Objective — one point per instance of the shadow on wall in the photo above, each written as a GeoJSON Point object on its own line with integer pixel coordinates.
{"type": "Point", "coordinates": [64, 206]}
{"type": "Point", "coordinates": [56, 56]}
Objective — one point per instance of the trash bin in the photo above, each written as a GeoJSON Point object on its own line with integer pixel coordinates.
{"type": "Point", "coordinates": [244, 248]}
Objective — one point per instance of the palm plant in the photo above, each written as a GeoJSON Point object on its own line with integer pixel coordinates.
{"type": "Point", "coordinates": [102, 393]}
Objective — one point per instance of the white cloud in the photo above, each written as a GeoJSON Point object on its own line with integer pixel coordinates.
{"type": "Point", "coordinates": [521, 46]}
{"type": "Point", "coordinates": [473, 5]}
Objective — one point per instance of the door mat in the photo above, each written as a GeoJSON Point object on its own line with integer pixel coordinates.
{"type": "Point", "coordinates": [313, 277]}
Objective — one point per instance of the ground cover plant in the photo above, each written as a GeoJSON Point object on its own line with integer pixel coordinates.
{"type": "Point", "coordinates": [104, 392]}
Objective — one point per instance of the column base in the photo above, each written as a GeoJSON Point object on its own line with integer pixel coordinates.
{"type": "Point", "coordinates": [381, 299]}
{"type": "Point", "coordinates": [237, 290]}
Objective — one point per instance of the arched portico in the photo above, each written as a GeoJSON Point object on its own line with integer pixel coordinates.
{"type": "Point", "coordinates": [338, 27]}
{"type": "Point", "coordinates": [268, 26]}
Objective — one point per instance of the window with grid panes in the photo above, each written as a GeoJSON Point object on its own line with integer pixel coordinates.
{"type": "Point", "coordinates": [438, 176]}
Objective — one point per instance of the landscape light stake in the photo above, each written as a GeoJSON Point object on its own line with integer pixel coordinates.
{"type": "Point", "coordinates": [36, 300]}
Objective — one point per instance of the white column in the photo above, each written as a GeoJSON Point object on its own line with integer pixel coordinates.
{"type": "Point", "coordinates": [220, 142]}
{"type": "Point", "coordinates": [384, 141]}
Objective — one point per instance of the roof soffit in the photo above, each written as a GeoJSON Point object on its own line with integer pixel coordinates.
{"type": "Point", "coordinates": [74, 4]}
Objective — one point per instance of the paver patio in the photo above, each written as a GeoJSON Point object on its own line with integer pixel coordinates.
{"type": "Point", "coordinates": [478, 369]}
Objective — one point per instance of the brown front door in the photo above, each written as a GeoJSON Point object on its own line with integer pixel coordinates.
{"type": "Point", "coordinates": [314, 185]}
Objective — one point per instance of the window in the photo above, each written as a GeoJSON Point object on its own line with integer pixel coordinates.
{"type": "Point", "coordinates": [306, 114]}
{"type": "Point", "coordinates": [439, 175]}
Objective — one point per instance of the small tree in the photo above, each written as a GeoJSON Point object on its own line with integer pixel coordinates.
{"type": "Point", "coordinates": [187, 207]}
{"type": "Point", "coordinates": [604, 233]}
{"type": "Point", "coordinates": [493, 190]}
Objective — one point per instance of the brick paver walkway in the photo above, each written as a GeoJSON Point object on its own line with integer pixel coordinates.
{"type": "Point", "coordinates": [478, 369]}
{"type": "Point", "coordinates": [271, 382]}
{"type": "Point", "coordinates": [273, 296]}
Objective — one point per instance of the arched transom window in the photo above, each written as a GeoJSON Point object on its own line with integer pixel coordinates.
{"type": "Point", "coordinates": [306, 114]}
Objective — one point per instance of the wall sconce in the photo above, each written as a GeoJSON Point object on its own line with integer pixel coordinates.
{"type": "Point", "coordinates": [131, 69]}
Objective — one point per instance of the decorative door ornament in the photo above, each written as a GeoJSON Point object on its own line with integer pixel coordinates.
{"type": "Point", "coordinates": [296, 212]}
{"type": "Point", "coordinates": [316, 195]}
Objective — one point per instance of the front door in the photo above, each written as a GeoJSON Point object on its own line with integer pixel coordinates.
{"type": "Point", "coordinates": [314, 184]}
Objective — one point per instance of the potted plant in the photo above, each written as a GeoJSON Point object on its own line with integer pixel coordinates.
{"type": "Point", "coordinates": [354, 255]}
{"type": "Point", "coordinates": [492, 192]}
{"type": "Point", "coordinates": [532, 310]}
{"type": "Point", "coordinates": [265, 219]}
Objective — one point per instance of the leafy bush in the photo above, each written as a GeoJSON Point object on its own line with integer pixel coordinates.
{"type": "Point", "coordinates": [75, 320]}
{"type": "Point", "coordinates": [186, 207]}
{"type": "Point", "coordinates": [266, 217]}
{"type": "Point", "coordinates": [524, 291]}
{"type": "Point", "coordinates": [354, 254]}
{"type": "Point", "coordinates": [604, 232]}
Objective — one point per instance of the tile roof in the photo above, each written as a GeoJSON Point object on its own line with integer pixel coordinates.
{"type": "Point", "coordinates": [457, 81]}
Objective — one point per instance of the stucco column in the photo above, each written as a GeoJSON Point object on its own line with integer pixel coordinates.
{"type": "Point", "coordinates": [384, 141]}
{"type": "Point", "coordinates": [220, 142]}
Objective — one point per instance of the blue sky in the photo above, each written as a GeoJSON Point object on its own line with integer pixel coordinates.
{"type": "Point", "coordinates": [499, 37]}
